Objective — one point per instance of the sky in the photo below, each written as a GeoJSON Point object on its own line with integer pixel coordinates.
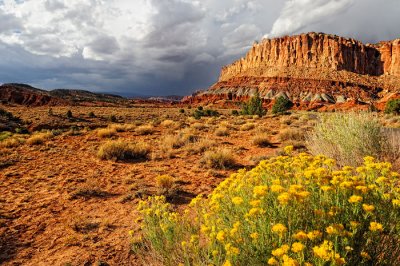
{"type": "Point", "coordinates": [163, 47]}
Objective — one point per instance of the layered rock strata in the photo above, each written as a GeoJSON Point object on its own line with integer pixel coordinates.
{"type": "Point", "coordinates": [310, 68]}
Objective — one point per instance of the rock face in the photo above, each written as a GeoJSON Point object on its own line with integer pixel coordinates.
{"type": "Point", "coordinates": [309, 68]}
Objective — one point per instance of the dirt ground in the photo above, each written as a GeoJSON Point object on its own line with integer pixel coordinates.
{"type": "Point", "coordinates": [61, 205]}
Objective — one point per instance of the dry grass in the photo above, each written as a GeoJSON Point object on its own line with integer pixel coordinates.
{"type": "Point", "coordinates": [201, 146]}
{"type": "Point", "coordinates": [291, 134]}
{"type": "Point", "coordinates": [120, 150]}
{"type": "Point", "coordinates": [261, 140]}
{"type": "Point", "coordinates": [170, 143]}
{"type": "Point", "coordinates": [39, 138]}
{"type": "Point", "coordinates": [349, 137]}
{"type": "Point", "coordinates": [247, 127]}
{"type": "Point", "coordinates": [198, 126]}
{"type": "Point", "coordinates": [222, 132]}
{"type": "Point", "coordinates": [106, 132]}
{"type": "Point", "coordinates": [219, 159]}
{"type": "Point", "coordinates": [286, 120]}
{"type": "Point", "coordinates": [168, 123]}
{"type": "Point", "coordinates": [145, 130]}
{"type": "Point", "coordinates": [11, 142]}
{"type": "Point", "coordinates": [122, 127]}
{"type": "Point", "coordinates": [239, 122]}
{"type": "Point", "coordinates": [165, 184]}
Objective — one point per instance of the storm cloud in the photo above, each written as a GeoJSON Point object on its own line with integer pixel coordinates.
{"type": "Point", "coordinates": [163, 47]}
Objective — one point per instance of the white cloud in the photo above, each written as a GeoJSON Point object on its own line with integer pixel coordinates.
{"type": "Point", "coordinates": [297, 14]}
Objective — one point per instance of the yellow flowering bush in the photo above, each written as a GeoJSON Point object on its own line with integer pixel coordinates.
{"type": "Point", "coordinates": [289, 210]}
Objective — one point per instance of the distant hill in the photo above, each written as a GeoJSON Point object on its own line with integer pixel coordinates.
{"type": "Point", "coordinates": [27, 95]}
{"type": "Point", "coordinates": [84, 96]}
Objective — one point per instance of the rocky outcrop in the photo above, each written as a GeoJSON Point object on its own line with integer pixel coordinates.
{"type": "Point", "coordinates": [309, 68]}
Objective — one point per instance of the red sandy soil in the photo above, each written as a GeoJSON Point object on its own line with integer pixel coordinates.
{"type": "Point", "coordinates": [44, 220]}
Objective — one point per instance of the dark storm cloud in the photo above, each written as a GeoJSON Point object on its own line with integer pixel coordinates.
{"type": "Point", "coordinates": [162, 47]}
{"type": "Point", "coordinates": [104, 45]}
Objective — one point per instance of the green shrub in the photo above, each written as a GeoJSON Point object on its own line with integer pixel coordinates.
{"type": "Point", "coordinates": [235, 112]}
{"type": "Point", "coordinates": [197, 114]}
{"type": "Point", "coordinates": [5, 135]}
{"type": "Point", "coordinates": [393, 107]}
{"type": "Point", "coordinates": [281, 105]}
{"type": "Point", "coordinates": [254, 106]}
{"type": "Point", "coordinates": [349, 137]}
{"type": "Point", "coordinates": [289, 210]}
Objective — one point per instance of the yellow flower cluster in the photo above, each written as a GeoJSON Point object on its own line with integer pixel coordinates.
{"type": "Point", "coordinates": [289, 210]}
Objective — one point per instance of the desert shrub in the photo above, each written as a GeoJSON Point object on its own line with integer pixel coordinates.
{"type": "Point", "coordinates": [261, 140]}
{"type": "Point", "coordinates": [200, 146]}
{"type": "Point", "coordinates": [165, 184]}
{"type": "Point", "coordinates": [106, 132]}
{"type": "Point", "coordinates": [182, 111]}
{"type": "Point", "coordinates": [219, 159]}
{"type": "Point", "coordinates": [292, 134]}
{"type": "Point", "coordinates": [69, 114]}
{"type": "Point", "coordinates": [289, 210]}
{"type": "Point", "coordinates": [281, 105]}
{"type": "Point", "coordinates": [120, 150]}
{"type": "Point", "coordinates": [91, 115]}
{"type": "Point", "coordinates": [247, 127]}
{"type": "Point", "coordinates": [39, 138]}
{"type": "Point", "coordinates": [349, 137]}
{"type": "Point", "coordinates": [235, 112]}
{"type": "Point", "coordinates": [145, 130]}
{"type": "Point", "coordinates": [198, 126]}
{"type": "Point", "coordinates": [222, 132]}
{"type": "Point", "coordinates": [393, 107]}
{"type": "Point", "coordinates": [253, 106]}
{"type": "Point", "coordinates": [5, 135]}
{"type": "Point", "coordinates": [169, 143]}
{"type": "Point", "coordinates": [168, 123]}
{"type": "Point", "coordinates": [200, 108]}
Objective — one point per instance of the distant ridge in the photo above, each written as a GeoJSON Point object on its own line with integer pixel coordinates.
{"type": "Point", "coordinates": [25, 94]}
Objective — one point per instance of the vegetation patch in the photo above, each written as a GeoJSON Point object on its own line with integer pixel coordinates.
{"type": "Point", "coordinates": [121, 150]}
{"type": "Point", "coordinates": [219, 159]}
{"type": "Point", "coordinates": [393, 107]}
{"type": "Point", "coordinates": [281, 105]}
{"type": "Point", "coordinates": [289, 210]}
{"type": "Point", "coordinates": [261, 140]}
{"type": "Point", "coordinates": [254, 106]}
{"type": "Point", "coordinates": [349, 137]}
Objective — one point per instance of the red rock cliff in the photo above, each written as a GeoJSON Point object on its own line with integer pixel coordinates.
{"type": "Point", "coordinates": [312, 67]}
